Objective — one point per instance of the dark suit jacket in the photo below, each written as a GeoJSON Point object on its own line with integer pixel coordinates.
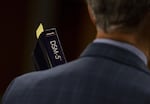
{"type": "Point", "coordinates": [104, 74]}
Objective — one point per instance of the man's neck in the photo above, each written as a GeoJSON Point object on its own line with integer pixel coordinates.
{"type": "Point", "coordinates": [126, 37]}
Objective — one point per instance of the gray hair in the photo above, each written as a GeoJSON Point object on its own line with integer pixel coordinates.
{"type": "Point", "coordinates": [124, 13]}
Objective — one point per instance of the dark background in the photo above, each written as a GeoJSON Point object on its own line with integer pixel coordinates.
{"type": "Point", "coordinates": [18, 22]}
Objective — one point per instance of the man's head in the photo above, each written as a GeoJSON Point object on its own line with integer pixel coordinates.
{"type": "Point", "coordinates": [121, 14]}
{"type": "Point", "coordinates": [123, 20]}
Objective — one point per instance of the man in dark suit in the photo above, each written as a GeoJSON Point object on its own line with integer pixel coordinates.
{"type": "Point", "coordinates": [111, 70]}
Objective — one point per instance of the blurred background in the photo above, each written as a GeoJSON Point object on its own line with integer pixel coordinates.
{"type": "Point", "coordinates": [19, 20]}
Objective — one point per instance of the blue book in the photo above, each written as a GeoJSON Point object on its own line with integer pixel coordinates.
{"type": "Point", "coordinates": [48, 52]}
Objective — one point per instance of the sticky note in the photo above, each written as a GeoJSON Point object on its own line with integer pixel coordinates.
{"type": "Point", "coordinates": [39, 30]}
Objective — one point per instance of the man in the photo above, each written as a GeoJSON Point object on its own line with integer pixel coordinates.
{"type": "Point", "coordinates": [111, 70]}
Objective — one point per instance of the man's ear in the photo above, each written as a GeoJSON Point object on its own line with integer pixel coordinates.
{"type": "Point", "coordinates": [91, 14]}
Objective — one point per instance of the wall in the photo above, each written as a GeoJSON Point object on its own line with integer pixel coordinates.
{"type": "Point", "coordinates": [19, 20]}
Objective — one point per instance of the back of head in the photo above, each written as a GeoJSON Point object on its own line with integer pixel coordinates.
{"type": "Point", "coordinates": [124, 14]}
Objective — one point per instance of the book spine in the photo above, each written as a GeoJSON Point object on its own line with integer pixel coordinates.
{"type": "Point", "coordinates": [50, 50]}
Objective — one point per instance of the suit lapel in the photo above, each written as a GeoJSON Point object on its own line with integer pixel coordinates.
{"type": "Point", "coordinates": [114, 53]}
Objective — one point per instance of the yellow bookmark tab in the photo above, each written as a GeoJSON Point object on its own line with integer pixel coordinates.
{"type": "Point", "coordinates": [39, 30]}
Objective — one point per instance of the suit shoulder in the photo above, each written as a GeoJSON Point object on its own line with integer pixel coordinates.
{"type": "Point", "coordinates": [46, 74]}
